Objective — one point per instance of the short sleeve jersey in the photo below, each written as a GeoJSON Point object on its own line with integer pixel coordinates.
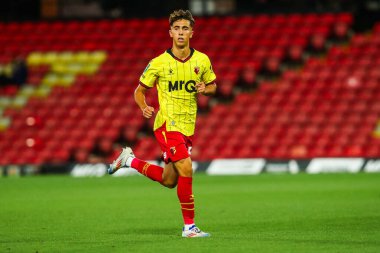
{"type": "Point", "coordinates": [175, 80]}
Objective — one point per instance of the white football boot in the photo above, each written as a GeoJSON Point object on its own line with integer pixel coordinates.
{"type": "Point", "coordinates": [194, 231]}
{"type": "Point", "coordinates": [121, 160]}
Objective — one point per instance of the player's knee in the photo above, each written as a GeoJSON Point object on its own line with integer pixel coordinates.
{"type": "Point", "coordinates": [184, 167]}
{"type": "Point", "coordinates": [188, 172]}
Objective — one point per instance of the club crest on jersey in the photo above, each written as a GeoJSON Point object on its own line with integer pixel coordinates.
{"type": "Point", "coordinates": [171, 72]}
{"type": "Point", "coordinates": [173, 150]}
{"type": "Point", "coordinates": [196, 70]}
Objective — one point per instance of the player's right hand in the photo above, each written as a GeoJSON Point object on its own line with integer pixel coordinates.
{"type": "Point", "coordinates": [148, 112]}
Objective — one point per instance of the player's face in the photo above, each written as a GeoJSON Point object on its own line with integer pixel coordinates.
{"type": "Point", "coordinates": [181, 32]}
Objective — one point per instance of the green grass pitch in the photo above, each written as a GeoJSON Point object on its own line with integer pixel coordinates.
{"type": "Point", "coordinates": [265, 213]}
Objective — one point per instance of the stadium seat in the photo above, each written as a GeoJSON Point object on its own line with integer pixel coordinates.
{"type": "Point", "coordinates": [316, 110]}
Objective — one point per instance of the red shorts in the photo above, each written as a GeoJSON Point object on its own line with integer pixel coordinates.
{"type": "Point", "coordinates": [174, 145]}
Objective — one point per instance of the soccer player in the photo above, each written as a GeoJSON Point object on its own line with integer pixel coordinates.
{"type": "Point", "coordinates": [180, 74]}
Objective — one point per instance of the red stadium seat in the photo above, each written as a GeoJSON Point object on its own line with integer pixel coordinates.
{"type": "Point", "coordinates": [326, 108]}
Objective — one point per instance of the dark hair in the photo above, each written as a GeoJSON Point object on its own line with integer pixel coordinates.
{"type": "Point", "coordinates": [181, 14]}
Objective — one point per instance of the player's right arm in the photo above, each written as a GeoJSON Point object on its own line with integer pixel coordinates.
{"type": "Point", "coordinates": [147, 110]}
{"type": "Point", "coordinates": [147, 81]}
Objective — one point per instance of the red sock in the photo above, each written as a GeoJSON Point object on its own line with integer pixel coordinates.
{"type": "Point", "coordinates": [186, 198]}
{"type": "Point", "coordinates": [151, 171]}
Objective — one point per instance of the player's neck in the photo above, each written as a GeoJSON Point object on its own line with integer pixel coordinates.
{"type": "Point", "coordinates": [181, 53]}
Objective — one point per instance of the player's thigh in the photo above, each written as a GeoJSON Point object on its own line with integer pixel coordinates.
{"type": "Point", "coordinates": [170, 176]}
{"type": "Point", "coordinates": [184, 167]}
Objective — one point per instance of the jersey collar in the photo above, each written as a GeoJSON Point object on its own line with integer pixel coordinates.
{"type": "Point", "coordinates": [169, 51]}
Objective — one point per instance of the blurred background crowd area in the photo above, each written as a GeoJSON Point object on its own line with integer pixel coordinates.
{"type": "Point", "coordinates": [296, 79]}
{"type": "Point", "coordinates": [366, 11]}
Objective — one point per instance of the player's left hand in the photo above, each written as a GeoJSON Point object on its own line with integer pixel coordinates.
{"type": "Point", "coordinates": [201, 87]}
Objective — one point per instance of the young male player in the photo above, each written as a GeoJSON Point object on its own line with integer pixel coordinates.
{"type": "Point", "coordinates": [179, 74]}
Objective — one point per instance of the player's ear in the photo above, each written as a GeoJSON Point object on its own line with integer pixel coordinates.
{"type": "Point", "coordinates": [170, 33]}
{"type": "Point", "coordinates": [191, 34]}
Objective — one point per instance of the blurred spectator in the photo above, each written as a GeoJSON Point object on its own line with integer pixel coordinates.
{"type": "Point", "coordinates": [14, 73]}
{"type": "Point", "coordinates": [5, 73]}
{"type": "Point", "coordinates": [102, 151]}
{"type": "Point", "coordinates": [79, 155]}
{"type": "Point", "coordinates": [317, 45]}
{"type": "Point", "coordinates": [247, 79]}
{"type": "Point", "coordinates": [294, 56]}
{"type": "Point", "coordinates": [203, 104]}
{"type": "Point", "coordinates": [339, 33]}
{"type": "Point", "coordinates": [271, 69]}
{"type": "Point", "coordinates": [128, 136]}
{"type": "Point", "coordinates": [20, 71]}
{"type": "Point", "coordinates": [224, 93]}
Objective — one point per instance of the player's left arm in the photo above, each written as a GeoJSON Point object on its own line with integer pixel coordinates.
{"type": "Point", "coordinates": [206, 89]}
{"type": "Point", "coordinates": [207, 86]}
